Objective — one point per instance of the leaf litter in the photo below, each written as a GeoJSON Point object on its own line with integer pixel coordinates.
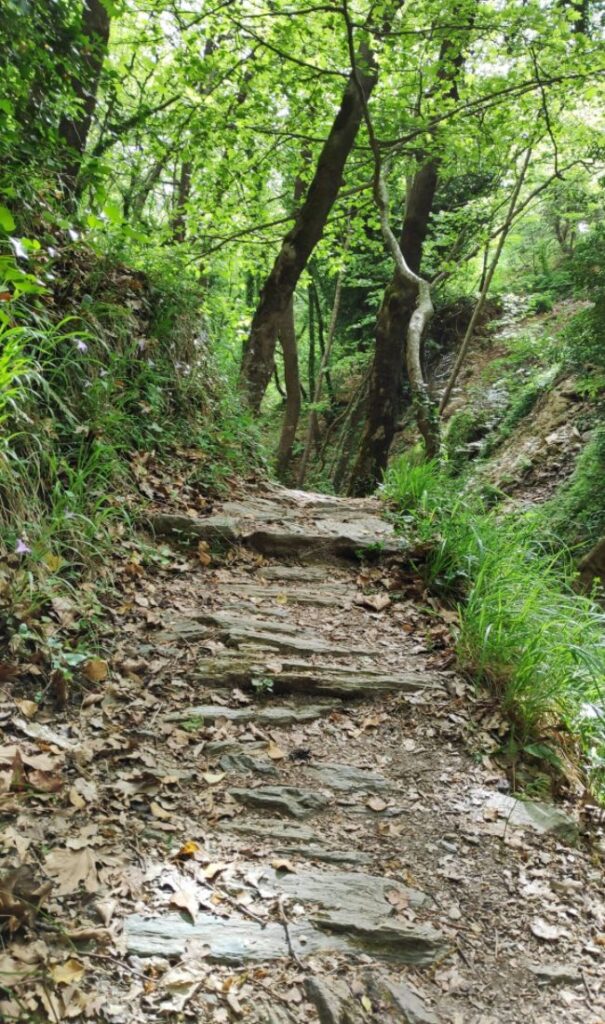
{"type": "Point", "coordinates": [111, 809]}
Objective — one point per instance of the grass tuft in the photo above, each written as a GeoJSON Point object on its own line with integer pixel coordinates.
{"type": "Point", "coordinates": [524, 631]}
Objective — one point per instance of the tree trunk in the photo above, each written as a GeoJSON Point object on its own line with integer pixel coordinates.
{"type": "Point", "coordinates": [299, 243]}
{"type": "Point", "coordinates": [73, 131]}
{"type": "Point", "coordinates": [396, 309]}
{"type": "Point", "coordinates": [398, 306]}
{"type": "Point", "coordinates": [313, 426]}
{"type": "Point", "coordinates": [287, 338]}
{"type": "Point", "coordinates": [179, 221]}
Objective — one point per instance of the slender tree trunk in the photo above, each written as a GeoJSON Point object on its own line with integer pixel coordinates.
{"type": "Point", "coordinates": [311, 362]}
{"type": "Point", "coordinates": [287, 339]}
{"type": "Point", "coordinates": [73, 131]}
{"type": "Point", "coordinates": [313, 427]}
{"type": "Point", "coordinates": [397, 306]}
{"type": "Point", "coordinates": [299, 243]}
{"type": "Point", "coordinates": [179, 221]}
{"type": "Point", "coordinates": [396, 310]}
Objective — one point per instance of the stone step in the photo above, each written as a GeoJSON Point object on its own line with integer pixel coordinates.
{"type": "Point", "coordinates": [273, 714]}
{"type": "Point", "coordinates": [290, 527]}
{"type": "Point", "coordinates": [348, 681]}
{"type": "Point", "coordinates": [238, 940]}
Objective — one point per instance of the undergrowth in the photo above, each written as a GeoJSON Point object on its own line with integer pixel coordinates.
{"type": "Point", "coordinates": [524, 631]}
{"type": "Point", "coordinates": [89, 387]}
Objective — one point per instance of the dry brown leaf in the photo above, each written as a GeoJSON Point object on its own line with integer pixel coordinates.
{"type": "Point", "coordinates": [281, 864]}
{"type": "Point", "coordinates": [376, 803]}
{"type": "Point", "coordinates": [213, 869]}
{"type": "Point", "coordinates": [67, 973]}
{"type": "Point", "coordinates": [203, 553]}
{"type": "Point", "coordinates": [96, 670]}
{"type": "Point", "coordinates": [160, 812]}
{"type": "Point", "coordinates": [185, 896]}
{"type": "Point", "coordinates": [29, 708]}
{"type": "Point", "coordinates": [274, 751]}
{"type": "Point", "coordinates": [70, 867]}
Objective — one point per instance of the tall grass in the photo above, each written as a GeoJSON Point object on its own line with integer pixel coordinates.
{"type": "Point", "coordinates": [524, 631]}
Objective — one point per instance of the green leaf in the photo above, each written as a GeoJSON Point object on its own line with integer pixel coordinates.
{"type": "Point", "coordinates": [7, 222]}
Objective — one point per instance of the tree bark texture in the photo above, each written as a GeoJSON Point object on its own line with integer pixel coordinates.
{"type": "Point", "coordinates": [73, 131]}
{"type": "Point", "coordinates": [299, 243]}
{"type": "Point", "coordinates": [397, 306]}
{"type": "Point", "coordinates": [287, 339]}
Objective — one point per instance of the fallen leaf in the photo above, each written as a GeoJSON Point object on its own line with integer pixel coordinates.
{"type": "Point", "coordinates": [70, 867]}
{"type": "Point", "coordinates": [68, 972]}
{"type": "Point", "coordinates": [203, 553]}
{"type": "Point", "coordinates": [213, 778]}
{"type": "Point", "coordinates": [96, 670]}
{"type": "Point", "coordinates": [281, 864]}
{"type": "Point", "coordinates": [188, 849]}
{"type": "Point", "coordinates": [211, 870]}
{"type": "Point", "coordinates": [29, 708]}
{"type": "Point", "coordinates": [185, 896]}
{"type": "Point", "coordinates": [274, 751]}
{"type": "Point", "coordinates": [160, 812]}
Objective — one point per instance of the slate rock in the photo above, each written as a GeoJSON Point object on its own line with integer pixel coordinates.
{"type": "Point", "coordinates": [333, 1001]}
{"type": "Point", "coordinates": [347, 778]}
{"type": "Point", "coordinates": [385, 938]}
{"type": "Point", "coordinates": [399, 1000]}
{"type": "Point", "coordinates": [245, 764]}
{"type": "Point", "coordinates": [279, 830]}
{"type": "Point", "coordinates": [270, 715]}
{"type": "Point", "coordinates": [555, 974]}
{"type": "Point", "coordinates": [353, 892]}
{"type": "Point", "coordinates": [239, 940]}
{"type": "Point", "coordinates": [289, 800]}
{"type": "Point", "coordinates": [540, 817]}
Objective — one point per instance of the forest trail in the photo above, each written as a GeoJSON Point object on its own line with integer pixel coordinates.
{"type": "Point", "coordinates": [274, 811]}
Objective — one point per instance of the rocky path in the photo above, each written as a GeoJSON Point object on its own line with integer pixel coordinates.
{"type": "Point", "coordinates": [273, 814]}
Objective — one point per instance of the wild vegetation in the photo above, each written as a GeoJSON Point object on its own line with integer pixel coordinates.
{"type": "Point", "coordinates": [295, 239]}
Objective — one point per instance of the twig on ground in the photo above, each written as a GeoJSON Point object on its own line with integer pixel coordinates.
{"type": "Point", "coordinates": [286, 924]}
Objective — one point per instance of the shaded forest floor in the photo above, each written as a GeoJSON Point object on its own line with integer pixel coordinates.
{"type": "Point", "coordinates": [277, 801]}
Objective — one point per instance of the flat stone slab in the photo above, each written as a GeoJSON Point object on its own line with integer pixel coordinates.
{"type": "Point", "coordinates": [336, 1003]}
{"type": "Point", "coordinates": [236, 630]}
{"type": "Point", "coordinates": [239, 668]}
{"type": "Point", "coordinates": [245, 764]}
{"type": "Point", "coordinates": [282, 831]}
{"type": "Point", "coordinates": [319, 595]}
{"type": "Point", "coordinates": [239, 940]}
{"type": "Point", "coordinates": [288, 524]}
{"type": "Point", "coordinates": [289, 800]}
{"type": "Point", "coordinates": [295, 574]}
{"type": "Point", "coordinates": [540, 817]}
{"type": "Point", "coordinates": [271, 715]}
{"type": "Point", "coordinates": [325, 855]}
{"type": "Point", "coordinates": [347, 891]}
{"type": "Point", "coordinates": [347, 778]}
